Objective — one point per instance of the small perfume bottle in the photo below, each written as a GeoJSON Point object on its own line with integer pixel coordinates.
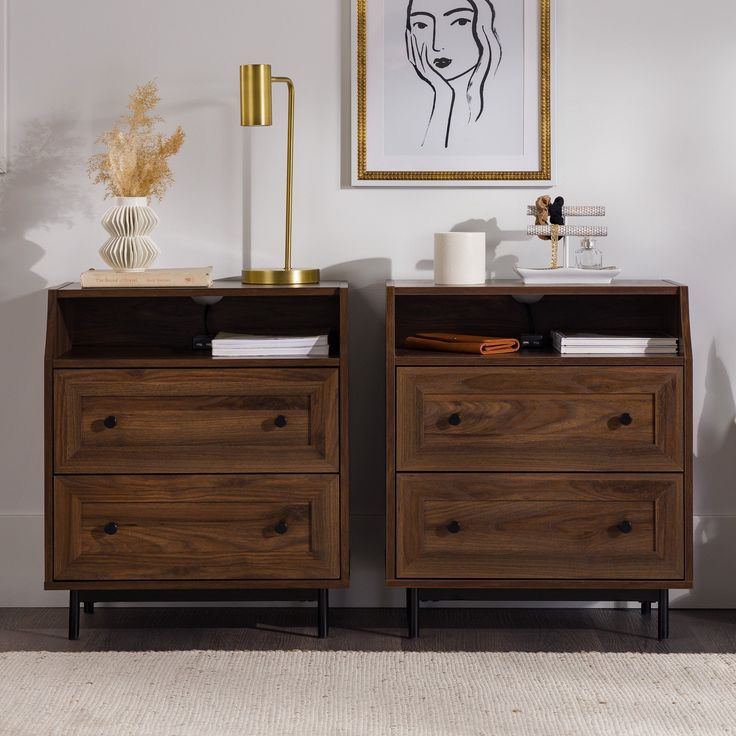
{"type": "Point", "coordinates": [588, 256]}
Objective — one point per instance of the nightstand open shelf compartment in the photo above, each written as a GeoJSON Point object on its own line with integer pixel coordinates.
{"type": "Point", "coordinates": [174, 475]}
{"type": "Point", "coordinates": [538, 474]}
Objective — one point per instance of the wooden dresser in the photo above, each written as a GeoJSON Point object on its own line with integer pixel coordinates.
{"type": "Point", "coordinates": [536, 475]}
{"type": "Point", "coordinates": [172, 475]}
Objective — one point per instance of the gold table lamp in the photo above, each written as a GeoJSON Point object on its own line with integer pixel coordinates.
{"type": "Point", "coordinates": [255, 109]}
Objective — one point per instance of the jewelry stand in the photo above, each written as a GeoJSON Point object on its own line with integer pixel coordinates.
{"type": "Point", "coordinates": [568, 273]}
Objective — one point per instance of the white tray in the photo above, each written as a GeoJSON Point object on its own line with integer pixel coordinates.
{"type": "Point", "coordinates": [568, 275]}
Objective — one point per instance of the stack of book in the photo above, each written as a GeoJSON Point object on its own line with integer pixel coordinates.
{"type": "Point", "coordinates": [591, 343]}
{"type": "Point", "coordinates": [232, 345]}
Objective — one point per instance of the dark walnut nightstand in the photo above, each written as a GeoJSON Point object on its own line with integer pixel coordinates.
{"type": "Point", "coordinates": [172, 475]}
{"type": "Point", "coordinates": [537, 475]}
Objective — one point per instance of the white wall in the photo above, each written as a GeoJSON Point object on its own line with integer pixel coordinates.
{"type": "Point", "coordinates": [646, 126]}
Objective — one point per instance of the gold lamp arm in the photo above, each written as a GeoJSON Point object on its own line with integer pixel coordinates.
{"type": "Point", "coordinates": [289, 168]}
{"type": "Point", "coordinates": [255, 109]}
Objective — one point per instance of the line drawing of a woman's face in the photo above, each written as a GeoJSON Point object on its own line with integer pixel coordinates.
{"type": "Point", "coordinates": [447, 29]}
{"type": "Point", "coordinates": [448, 40]}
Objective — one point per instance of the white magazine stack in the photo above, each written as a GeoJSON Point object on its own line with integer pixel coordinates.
{"type": "Point", "coordinates": [233, 345]}
{"type": "Point", "coordinates": [591, 343]}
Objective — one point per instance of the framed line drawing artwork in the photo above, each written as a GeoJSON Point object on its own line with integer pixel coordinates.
{"type": "Point", "coordinates": [453, 93]}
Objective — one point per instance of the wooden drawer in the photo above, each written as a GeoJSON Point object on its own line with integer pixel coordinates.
{"type": "Point", "coordinates": [177, 527]}
{"type": "Point", "coordinates": [540, 527]}
{"type": "Point", "coordinates": [196, 421]}
{"type": "Point", "coordinates": [540, 419]}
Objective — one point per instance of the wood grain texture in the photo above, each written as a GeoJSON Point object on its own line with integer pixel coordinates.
{"type": "Point", "coordinates": [231, 287]}
{"type": "Point", "coordinates": [500, 315]}
{"type": "Point", "coordinates": [151, 356]}
{"type": "Point", "coordinates": [127, 353]}
{"type": "Point", "coordinates": [198, 421]}
{"type": "Point", "coordinates": [56, 341]}
{"type": "Point", "coordinates": [500, 287]}
{"type": "Point", "coordinates": [556, 526]}
{"type": "Point", "coordinates": [549, 414]}
{"type": "Point", "coordinates": [196, 527]}
{"type": "Point", "coordinates": [105, 322]}
{"type": "Point", "coordinates": [539, 583]}
{"type": "Point", "coordinates": [687, 429]}
{"type": "Point", "coordinates": [344, 418]}
{"type": "Point", "coordinates": [391, 534]}
{"type": "Point", "coordinates": [542, 419]}
{"type": "Point", "coordinates": [528, 358]}
{"type": "Point", "coordinates": [246, 584]}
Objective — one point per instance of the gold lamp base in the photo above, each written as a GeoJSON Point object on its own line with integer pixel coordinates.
{"type": "Point", "coordinates": [280, 276]}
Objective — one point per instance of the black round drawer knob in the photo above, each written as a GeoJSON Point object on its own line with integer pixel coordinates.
{"type": "Point", "coordinates": [280, 421]}
{"type": "Point", "coordinates": [281, 528]}
{"type": "Point", "coordinates": [625, 527]}
{"type": "Point", "coordinates": [454, 420]}
{"type": "Point", "coordinates": [111, 528]}
{"type": "Point", "coordinates": [110, 422]}
{"type": "Point", "coordinates": [453, 527]}
{"type": "Point", "coordinates": [626, 419]}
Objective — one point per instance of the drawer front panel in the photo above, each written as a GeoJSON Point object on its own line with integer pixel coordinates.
{"type": "Point", "coordinates": [196, 421]}
{"type": "Point", "coordinates": [540, 527]}
{"type": "Point", "coordinates": [541, 419]}
{"type": "Point", "coordinates": [228, 527]}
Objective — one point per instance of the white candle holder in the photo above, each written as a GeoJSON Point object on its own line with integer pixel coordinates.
{"type": "Point", "coordinates": [459, 259]}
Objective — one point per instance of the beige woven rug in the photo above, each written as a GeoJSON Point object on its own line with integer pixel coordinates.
{"type": "Point", "coordinates": [442, 694]}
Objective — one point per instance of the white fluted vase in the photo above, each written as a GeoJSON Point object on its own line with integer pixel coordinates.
{"type": "Point", "coordinates": [129, 221]}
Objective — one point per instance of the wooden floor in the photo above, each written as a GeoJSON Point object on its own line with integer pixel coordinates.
{"type": "Point", "coordinates": [530, 630]}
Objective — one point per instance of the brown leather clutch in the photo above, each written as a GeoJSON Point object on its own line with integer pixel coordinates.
{"type": "Point", "coordinates": [451, 342]}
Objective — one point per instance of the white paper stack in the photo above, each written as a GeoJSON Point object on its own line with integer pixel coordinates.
{"type": "Point", "coordinates": [233, 345]}
{"type": "Point", "coordinates": [591, 343]}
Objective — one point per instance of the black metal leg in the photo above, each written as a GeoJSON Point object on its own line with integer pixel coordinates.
{"type": "Point", "coordinates": [73, 615]}
{"type": "Point", "coordinates": [89, 606]}
{"type": "Point", "coordinates": [323, 607]}
{"type": "Point", "coordinates": [412, 612]}
{"type": "Point", "coordinates": [664, 615]}
{"type": "Point", "coordinates": [646, 608]}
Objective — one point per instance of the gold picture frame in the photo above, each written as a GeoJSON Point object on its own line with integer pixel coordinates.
{"type": "Point", "coordinates": [541, 174]}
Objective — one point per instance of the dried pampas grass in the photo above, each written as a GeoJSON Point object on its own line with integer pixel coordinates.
{"type": "Point", "coordinates": [136, 163]}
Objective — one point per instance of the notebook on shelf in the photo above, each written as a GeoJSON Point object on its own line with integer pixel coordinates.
{"type": "Point", "coordinates": [233, 345]}
{"type": "Point", "coordinates": [632, 343]}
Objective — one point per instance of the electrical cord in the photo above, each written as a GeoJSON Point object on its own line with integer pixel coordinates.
{"type": "Point", "coordinates": [530, 319]}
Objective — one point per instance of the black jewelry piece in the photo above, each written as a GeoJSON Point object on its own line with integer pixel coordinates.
{"type": "Point", "coordinates": [555, 212]}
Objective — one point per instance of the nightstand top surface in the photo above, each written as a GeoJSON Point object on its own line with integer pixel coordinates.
{"type": "Point", "coordinates": [515, 286]}
{"type": "Point", "coordinates": [220, 287]}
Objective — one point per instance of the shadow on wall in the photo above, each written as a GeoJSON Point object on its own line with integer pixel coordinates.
{"type": "Point", "coordinates": [497, 267]}
{"type": "Point", "coordinates": [716, 440]}
{"type": "Point", "coordinates": [367, 319]}
{"type": "Point", "coordinates": [367, 296]}
{"type": "Point", "coordinates": [714, 488]}
{"type": "Point", "coordinates": [713, 553]}
{"type": "Point", "coordinates": [35, 193]}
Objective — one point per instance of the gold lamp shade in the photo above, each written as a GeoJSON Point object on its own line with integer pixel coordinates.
{"type": "Point", "coordinates": [255, 109]}
{"type": "Point", "coordinates": [255, 94]}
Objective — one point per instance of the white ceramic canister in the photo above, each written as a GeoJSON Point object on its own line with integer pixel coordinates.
{"type": "Point", "coordinates": [459, 259]}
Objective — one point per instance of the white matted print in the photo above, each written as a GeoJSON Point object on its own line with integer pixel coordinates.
{"type": "Point", "coordinates": [452, 92]}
